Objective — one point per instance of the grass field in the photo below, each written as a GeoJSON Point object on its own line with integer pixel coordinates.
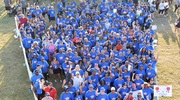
{"type": "Point", "coordinates": [14, 81]}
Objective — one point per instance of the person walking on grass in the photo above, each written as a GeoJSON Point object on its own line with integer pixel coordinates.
{"type": "Point", "coordinates": [49, 89]}
{"type": "Point", "coordinates": [56, 70]}
{"type": "Point", "coordinates": [161, 9]}
{"type": "Point", "coordinates": [177, 26]}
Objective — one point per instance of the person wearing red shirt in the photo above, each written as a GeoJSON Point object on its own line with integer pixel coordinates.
{"type": "Point", "coordinates": [129, 97]}
{"type": "Point", "coordinates": [51, 90]}
{"type": "Point", "coordinates": [23, 20]}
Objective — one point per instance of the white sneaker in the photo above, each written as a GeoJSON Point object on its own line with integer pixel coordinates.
{"type": "Point", "coordinates": [55, 80]}
{"type": "Point", "coordinates": [46, 81]}
{"type": "Point", "coordinates": [61, 81]}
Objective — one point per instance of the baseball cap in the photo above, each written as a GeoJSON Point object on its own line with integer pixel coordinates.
{"type": "Point", "coordinates": [77, 73]}
{"type": "Point", "coordinates": [112, 88]}
{"type": "Point", "coordinates": [66, 87]}
{"type": "Point", "coordinates": [120, 75]}
{"type": "Point", "coordinates": [90, 85]}
{"type": "Point", "coordinates": [130, 92]}
{"type": "Point", "coordinates": [102, 89]}
{"type": "Point", "coordinates": [47, 93]}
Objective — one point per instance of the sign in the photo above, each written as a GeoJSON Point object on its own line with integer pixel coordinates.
{"type": "Point", "coordinates": [162, 90]}
{"type": "Point", "coordinates": [135, 94]}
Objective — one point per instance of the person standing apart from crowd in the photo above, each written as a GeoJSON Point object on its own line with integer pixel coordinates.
{"type": "Point", "coordinates": [23, 6]}
{"type": "Point", "coordinates": [177, 26]}
{"type": "Point", "coordinates": [52, 15]}
{"type": "Point", "coordinates": [177, 5]}
{"type": "Point", "coordinates": [7, 5]}
{"type": "Point", "coordinates": [161, 9]}
{"type": "Point", "coordinates": [166, 4]}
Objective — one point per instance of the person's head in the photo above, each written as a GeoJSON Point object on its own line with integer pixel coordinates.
{"type": "Point", "coordinates": [36, 72]}
{"type": "Point", "coordinates": [47, 95]}
{"type": "Point", "coordinates": [145, 85]}
{"type": "Point", "coordinates": [151, 80]}
{"type": "Point", "coordinates": [130, 94]}
{"type": "Point", "coordinates": [76, 54]}
{"type": "Point", "coordinates": [102, 91]}
{"type": "Point", "coordinates": [38, 67]}
{"type": "Point", "coordinates": [113, 90]}
{"type": "Point", "coordinates": [90, 87]}
{"type": "Point", "coordinates": [70, 84]}
{"type": "Point", "coordinates": [102, 82]}
{"type": "Point", "coordinates": [66, 89]}
{"type": "Point", "coordinates": [77, 68]}
{"type": "Point", "coordinates": [50, 84]}
{"type": "Point", "coordinates": [77, 74]}
{"type": "Point", "coordinates": [125, 85]}
{"type": "Point", "coordinates": [106, 75]}
{"type": "Point", "coordinates": [141, 67]}
{"type": "Point", "coordinates": [42, 59]}
{"type": "Point", "coordinates": [149, 65]}
{"type": "Point", "coordinates": [134, 86]}
{"type": "Point", "coordinates": [120, 76]}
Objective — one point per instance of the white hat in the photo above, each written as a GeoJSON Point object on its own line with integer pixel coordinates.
{"type": "Point", "coordinates": [112, 88]}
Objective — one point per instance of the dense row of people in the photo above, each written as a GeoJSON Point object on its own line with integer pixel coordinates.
{"type": "Point", "coordinates": [104, 51]}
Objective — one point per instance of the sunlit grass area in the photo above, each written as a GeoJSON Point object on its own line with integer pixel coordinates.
{"type": "Point", "coordinates": [14, 81]}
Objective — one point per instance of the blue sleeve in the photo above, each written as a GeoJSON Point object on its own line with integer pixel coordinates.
{"type": "Point", "coordinates": [61, 97]}
{"type": "Point", "coordinates": [32, 78]}
{"type": "Point", "coordinates": [86, 95]}
{"type": "Point", "coordinates": [151, 90]}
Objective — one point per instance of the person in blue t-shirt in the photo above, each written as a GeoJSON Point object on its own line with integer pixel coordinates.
{"type": "Point", "coordinates": [28, 41]}
{"type": "Point", "coordinates": [44, 67]}
{"type": "Point", "coordinates": [150, 73]}
{"type": "Point", "coordinates": [36, 76]}
{"type": "Point", "coordinates": [119, 81]}
{"type": "Point", "coordinates": [66, 95]}
{"type": "Point", "coordinates": [102, 84]}
{"type": "Point", "coordinates": [37, 88]}
{"type": "Point", "coordinates": [138, 82]}
{"type": "Point", "coordinates": [76, 58]}
{"type": "Point", "coordinates": [60, 7]}
{"type": "Point", "coordinates": [147, 91]}
{"type": "Point", "coordinates": [52, 15]}
{"type": "Point", "coordinates": [38, 11]}
{"type": "Point", "coordinates": [113, 94]}
{"type": "Point", "coordinates": [77, 96]}
{"type": "Point", "coordinates": [102, 95]}
{"type": "Point", "coordinates": [90, 94]}
{"type": "Point", "coordinates": [141, 73]}
{"type": "Point", "coordinates": [123, 90]}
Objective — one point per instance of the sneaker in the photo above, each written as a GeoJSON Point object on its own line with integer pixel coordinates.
{"type": "Point", "coordinates": [55, 80]}
{"type": "Point", "coordinates": [61, 81]}
{"type": "Point", "coordinates": [46, 81]}
{"type": "Point", "coordinates": [179, 34]}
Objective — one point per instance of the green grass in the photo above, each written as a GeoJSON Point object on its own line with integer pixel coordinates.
{"type": "Point", "coordinates": [14, 80]}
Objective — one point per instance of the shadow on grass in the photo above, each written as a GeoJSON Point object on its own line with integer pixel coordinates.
{"type": "Point", "coordinates": [165, 26]}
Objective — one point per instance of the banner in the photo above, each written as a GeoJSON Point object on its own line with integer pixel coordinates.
{"type": "Point", "coordinates": [162, 90]}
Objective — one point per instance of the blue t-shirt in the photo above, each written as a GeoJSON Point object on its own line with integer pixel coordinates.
{"type": "Point", "coordinates": [52, 13]}
{"type": "Point", "coordinates": [44, 65]}
{"type": "Point", "coordinates": [65, 96]}
{"type": "Point", "coordinates": [118, 83]}
{"type": "Point", "coordinates": [90, 95]}
{"type": "Point", "coordinates": [112, 96]}
{"type": "Point", "coordinates": [38, 89]}
{"type": "Point", "coordinates": [138, 83]}
{"type": "Point", "coordinates": [146, 92]}
{"type": "Point", "coordinates": [102, 97]}
{"type": "Point", "coordinates": [34, 78]}
{"type": "Point", "coordinates": [150, 73]}
{"type": "Point", "coordinates": [123, 92]}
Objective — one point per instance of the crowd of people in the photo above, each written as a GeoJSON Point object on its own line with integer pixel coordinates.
{"type": "Point", "coordinates": [102, 51]}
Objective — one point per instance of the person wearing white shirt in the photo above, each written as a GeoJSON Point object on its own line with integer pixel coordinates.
{"type": "Point", "coordinates": [161, 8]}
{"type": "Point", "coordinates": [166, 4]}
{"type": "Point", "coordinates": [77, 80]}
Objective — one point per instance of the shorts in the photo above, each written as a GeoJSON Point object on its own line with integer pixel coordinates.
{"type": "Point", "coordinates": [52, 18]}
{"type": "Point", "coordinates": [56, 71]}
{"type": "Point", "coordinates": [166, 9]}
{"type": "Point", "coordinates": [33, 15]}
{"type": "Point", "coordinates": [7, 8]}
{"type": "Point", "coordinates": [43, 13]}
{"type": "Point", "coordinates": [161, 11]}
